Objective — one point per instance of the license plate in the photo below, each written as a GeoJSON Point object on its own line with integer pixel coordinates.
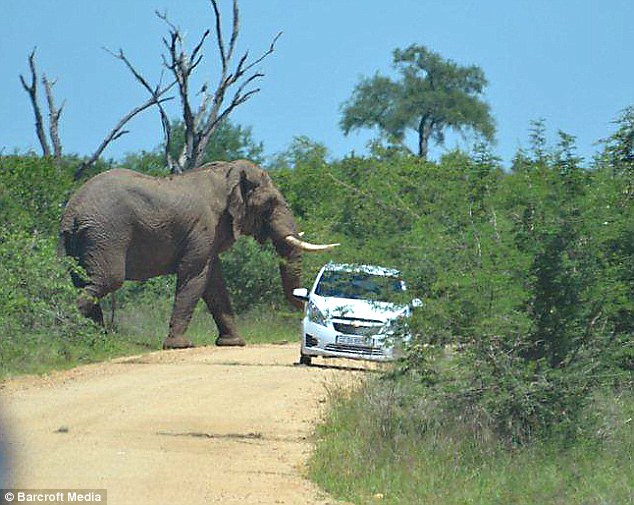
{"type": "Point", "coordinates": [352, 340]}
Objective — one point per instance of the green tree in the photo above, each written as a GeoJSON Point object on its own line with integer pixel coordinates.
{"type": "Point", "coordinates": [618, 151]}
{"type": "Point", "coordinates": [432, 95]}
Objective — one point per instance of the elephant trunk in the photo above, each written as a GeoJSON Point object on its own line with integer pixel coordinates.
{"type": "Point", "coordinates": [290, 248]}
{"type": "Point", "coordinates": [290, 271]}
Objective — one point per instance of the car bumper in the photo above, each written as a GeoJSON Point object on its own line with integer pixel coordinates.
{"type": "Point", "coordinates": [319, 340]}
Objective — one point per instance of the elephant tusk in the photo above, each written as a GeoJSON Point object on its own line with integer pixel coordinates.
{"type": "Point", "coordinates": [307, 246]}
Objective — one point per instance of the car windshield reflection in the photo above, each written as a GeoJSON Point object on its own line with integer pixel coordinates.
{"type": "Point", "coordinates": [360, 286]}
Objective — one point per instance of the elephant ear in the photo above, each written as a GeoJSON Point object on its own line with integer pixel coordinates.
{"type": "Point", "coordinates": [240, 188]}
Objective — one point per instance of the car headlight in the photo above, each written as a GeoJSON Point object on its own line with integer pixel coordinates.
{"type": "Point", "coordinates": [315, 315]}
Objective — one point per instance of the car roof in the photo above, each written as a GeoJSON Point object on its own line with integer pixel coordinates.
{"type": "Point", "coordinates": [368, 269]}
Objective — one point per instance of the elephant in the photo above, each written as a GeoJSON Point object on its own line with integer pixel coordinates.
{"type": "Point", "coordinates": [124, 225]}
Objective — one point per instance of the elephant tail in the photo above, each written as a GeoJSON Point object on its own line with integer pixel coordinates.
{"type": "Point", "coordinates": [70, 244]}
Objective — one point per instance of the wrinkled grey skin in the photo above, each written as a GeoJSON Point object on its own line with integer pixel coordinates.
{"type": "Point", "coordinates": [124, 225]}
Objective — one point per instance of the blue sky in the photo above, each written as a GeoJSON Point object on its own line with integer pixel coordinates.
{"type": "Point", "coordinates": [570, 63]}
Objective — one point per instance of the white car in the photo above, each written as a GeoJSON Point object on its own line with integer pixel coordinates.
{"type": "Point", "coordinates": [355, 311]}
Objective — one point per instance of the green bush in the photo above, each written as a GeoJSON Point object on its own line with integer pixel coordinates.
{"type": "Point", "coordinates": [39, 323]}
{"type": "Point", "coordinates": [33, 192]}
{"type": "Point", "coordinates": [252, 274]}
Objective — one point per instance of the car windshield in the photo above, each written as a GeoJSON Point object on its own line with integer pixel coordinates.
{"type": "Point", "coordinates": [360, 286]}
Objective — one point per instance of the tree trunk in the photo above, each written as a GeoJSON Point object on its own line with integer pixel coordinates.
{"type": "Point", "coordinates": [424, 132]}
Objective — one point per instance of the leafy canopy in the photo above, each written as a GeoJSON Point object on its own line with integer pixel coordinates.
{"type": "Point", "coordinates": [432, 95]}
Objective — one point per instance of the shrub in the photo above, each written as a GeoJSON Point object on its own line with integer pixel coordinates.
{"type": "Point", "coordinates": [388, 438]}
{"type": "Point", "coordinates": [39, 323]}
{"type": "Point", "coordinates": [527, 275]}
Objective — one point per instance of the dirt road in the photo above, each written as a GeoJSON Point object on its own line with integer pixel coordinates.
{"type": "Point", "coordinates": [208, 425]}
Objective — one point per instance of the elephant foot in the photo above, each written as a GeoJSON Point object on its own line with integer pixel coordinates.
{"type": "Point", "coordinates": [230, 341]}
{"type": "Point", "coordinates": [177, 343]}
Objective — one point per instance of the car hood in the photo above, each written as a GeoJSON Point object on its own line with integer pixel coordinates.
{"type": "Point", "coordinates": [359, 309]}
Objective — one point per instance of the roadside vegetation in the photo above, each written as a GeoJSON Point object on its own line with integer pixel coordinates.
{"type": "Point", "coordinates": [387, 443]}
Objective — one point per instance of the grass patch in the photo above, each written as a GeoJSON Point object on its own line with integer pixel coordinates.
{"type": "Point", "coordinates": [40, 353]}
{"type": "Point", "coordinates": [137, 328]}
{"type": "Point", "coordinates": [383, 440]}
{"type": "Point", "coordinates": [147, 325]}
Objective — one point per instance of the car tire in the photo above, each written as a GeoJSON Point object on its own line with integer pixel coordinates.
{"type": "Point", "coordinates": [305, 360]}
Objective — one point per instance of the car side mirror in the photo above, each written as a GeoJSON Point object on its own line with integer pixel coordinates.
{"type": "Point", "coordinates": [417, 303]}
{"type": "Point", "coordinates": [301, 294]}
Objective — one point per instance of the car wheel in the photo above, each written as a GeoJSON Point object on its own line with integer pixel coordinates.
{"type": "Point", "coordinates": [305, 360]}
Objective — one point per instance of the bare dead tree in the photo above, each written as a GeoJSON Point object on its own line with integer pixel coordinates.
{"type": "Point", "coordinates": [53, 112]}
{"type": "Point", "coordinates": [201, 122]}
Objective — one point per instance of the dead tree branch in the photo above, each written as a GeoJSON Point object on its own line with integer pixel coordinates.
{"type": "Point", "coordinates": [211, 119]}
{"type": "Point", "coordinates": [181, 65]}
{"type": "Point", "coordinates": [156, 98]}
{"type": "Point", "coordinates": [32, 90]}
{"type": "Point", "coordinates": [155, 93]}
{"type": "Point", "coordinates": [117, 132]}
{"type": "Point", "coordinates": [53, 117]}
{"type": "Point", "coordinates": [54, 114]}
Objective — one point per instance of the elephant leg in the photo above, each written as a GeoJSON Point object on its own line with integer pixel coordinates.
{"type": "Point", "coordinates": [217, 299]}
{"type": "Point", "coordinates": [189, 289]}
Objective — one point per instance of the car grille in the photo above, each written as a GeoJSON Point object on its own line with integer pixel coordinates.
{"type": "Point", "coordinates": [355, 349]}
{"type": "Point", "coordinates": [362, 328]}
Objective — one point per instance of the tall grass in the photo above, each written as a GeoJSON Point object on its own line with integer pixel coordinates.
{"type": "Point", "coordinates": [146, 324]}
{"type": "Point", "coordinates": [137, 327]}
{"type": "Point", "coordinates": [384, 441]}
